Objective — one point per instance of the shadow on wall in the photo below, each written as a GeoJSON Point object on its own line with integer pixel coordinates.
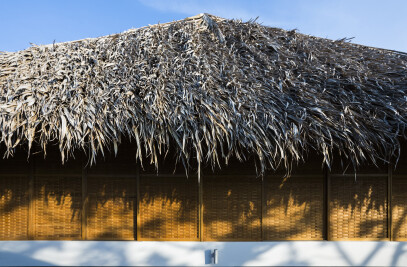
{"type": "Point", "coordinates": [92, 253]}
{"type": "Point", "coordinates": [169, 205]}
{"type": "Point", "coordinates": [111, 207]}
{"type": "Point", "coordinates": [59, 201]}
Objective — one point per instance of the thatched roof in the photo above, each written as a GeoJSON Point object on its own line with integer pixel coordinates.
{"type": "Point", "coordinates": [210, 89]}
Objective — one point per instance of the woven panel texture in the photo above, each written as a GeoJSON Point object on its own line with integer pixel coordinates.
{"type": "Point", "coordinates": [57, 207]}
{"type": "Point", "coordinates": [294, 208]}
{"type": "Point", "coordinates": [13, 208]}
{"type": "Point", "coordinates": [399, 205]}
{"type": "Point", "coordinates": [111, 209]}
{"type": "Point", "coordinates": [232, 208]}
{"type": "Point", "coordinates": [169, 208]}
{"type": "Point", "coordinates": [358, 209]}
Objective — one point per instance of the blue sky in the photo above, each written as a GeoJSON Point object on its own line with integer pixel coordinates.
{"type": "Point", "coordinates": [372, 22]}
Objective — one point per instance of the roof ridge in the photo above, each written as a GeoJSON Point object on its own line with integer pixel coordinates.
{"type": "Point", "coordinates": [166, 24]}
{"type": "Point", "coordinates": [200, 16]}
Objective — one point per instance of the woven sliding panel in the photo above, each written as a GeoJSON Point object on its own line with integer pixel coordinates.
{"type": "Point", "coordinates": [168, 208]}
{"type": "Point", "coordinates": [294, 208]}
{"type": "Point", "coordinates": [358, 208]}
{"type": "Point", "coordinates": [111, 209]}
{"type": "Point", "coordinates": [399, 206]}
{"type": "Point", "coordinates": [57, 207]}
{"type": "Point", "coordinates": [13, 207]}
{"type": "Point", "coordinates": [399, 197]}
{"type": "Point", "coordinates": [231, 208]}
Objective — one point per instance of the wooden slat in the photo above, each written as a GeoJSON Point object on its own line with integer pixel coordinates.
{"type": "Point", "coordinates": [358, 208]}
{"type": "Point", "coordinates": [232, 208]}
{"type": "Point", "coordinates": [294, 208]}
{"type": "Point", "coordinates": [57, 208]}
{"type": "Point", "coordinates": [111, 213]}
{"type": "Point", "coordinates": [169, 208]}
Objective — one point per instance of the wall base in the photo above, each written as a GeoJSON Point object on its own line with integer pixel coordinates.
{"type": "Point", "coordinates": [133, 253]}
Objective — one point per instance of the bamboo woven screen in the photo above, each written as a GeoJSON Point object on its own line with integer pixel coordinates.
{"type": "Point", "coordinates": [111, 213]}
{"type": "Point", "coordinates": [168, 208]}
{"type": "Point", "coordinates": [57, 207]}
{"type": "Point", "coordinates": [45, 200]}
{"type": "Point", "coordinates": [111, 200]}
{"type": "Point", "coordinates": [14, 198]}
{"type": "Point", "coordinates": [399, 206]}
{"type": "Point", "coordinates": [399, 198]}
{"type": "Point", "coordinates": [358, 208]}
{"type": "Point", "coordinates": [13, 207]}
{"type": "Point", "coordinates": [294, 209]}
{"type": "Point", "coordinates": [231, 208]}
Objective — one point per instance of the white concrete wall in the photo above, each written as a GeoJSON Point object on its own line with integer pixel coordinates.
{"type": "Point", "coordinates": [307, 253]}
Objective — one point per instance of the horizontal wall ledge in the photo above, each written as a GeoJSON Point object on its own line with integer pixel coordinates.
{"type": "Point", "coordinates": [151, 253]}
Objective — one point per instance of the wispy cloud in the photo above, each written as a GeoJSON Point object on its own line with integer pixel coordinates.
{"type": "Point", "coordinates": [371, 22]}
{"type": "Point", "coordinates": [226, 9]}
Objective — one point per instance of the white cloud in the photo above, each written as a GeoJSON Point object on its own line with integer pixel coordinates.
{"type": "Point", "coordinates": [225, 9]}
{"type": "Point", "coordinates": [371, 22]}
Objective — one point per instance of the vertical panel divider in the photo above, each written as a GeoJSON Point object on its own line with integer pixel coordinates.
{"type": "Point", "coordinates": [200, 207]}
{"type": "Point", "coordinates": [327, 203]}
{"type": "Point", "coordinates": [31, 215]}
{"type": "Point", "coordinates": [138, 219]}
{"type": "Point", "coordinates": [389, 199]}
{"type": "Point", "coordinates": [85, 200]}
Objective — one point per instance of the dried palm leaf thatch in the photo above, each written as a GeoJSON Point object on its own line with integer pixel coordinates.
{"type": "Point", "coordinates": [212, 88]}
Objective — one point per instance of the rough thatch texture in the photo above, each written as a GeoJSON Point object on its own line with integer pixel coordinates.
{"type": "Point", "coordinates": [212, 88]}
